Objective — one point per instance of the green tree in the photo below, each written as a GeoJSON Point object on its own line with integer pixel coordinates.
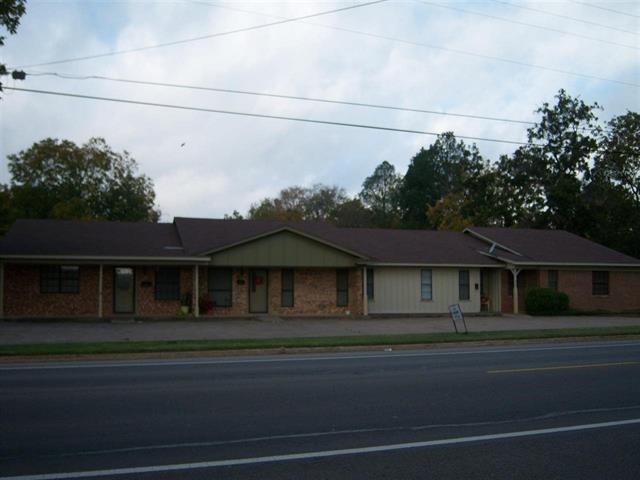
{"type": "Point", "coordinates": [10, 13]}
{"type": "Point", "coordinates": [546, 176]}
{"type": "Point", "coordinates": [612, 195]}
{"type": "Point", "coordinates": [352, 213]}
{"type": "Point", "coordinates": [59, 179]}
{"type": "Point", "coordinates": [432, 174]}
{"type": "Point", "coordinates": [380, 195]}
{"type": "Point", "coordinates": [318, 203]}
{"type": "Point", "coordinates": [321, 202]}
{"type": "Point", "coordinates": [289, 206]}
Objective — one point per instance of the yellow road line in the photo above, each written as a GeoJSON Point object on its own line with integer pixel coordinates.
{"type": "Point", "coordinates": [563, 367]}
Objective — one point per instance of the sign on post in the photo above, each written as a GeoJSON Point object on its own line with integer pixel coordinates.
{"type": "Point", "coordinates": [457, 316]}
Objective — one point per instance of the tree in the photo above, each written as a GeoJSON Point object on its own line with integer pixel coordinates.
{"type": "Point", "coordinates": [380, 195]}
{"type": "Point", "coordinates": [433, 173]}
{"type": "Point", "coordinates": [547, 174]}
{"type": "Point", "coordinates": [612, 195]}
{"type": "Point", "coordinates": [322, 201]}
{"type": "Point", "coordinates": [618, 157]}
{"type": "Point", "coordinates": [59, 179]}
{"type": "Point", "coordinates": [234, 216]}
{"type": "Point", "coordinates": [352, 213]}
{"type": "Point", "coordinates": [10, 13]}
{"type": "Point", "coordinates": [475, 203]}
{"type": "Point", "coordinates": [318, 203]}
{"type": "Point", "coordinates": [287, 206]}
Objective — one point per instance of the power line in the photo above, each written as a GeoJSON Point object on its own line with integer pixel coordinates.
{"type": "Point", "coordinates": [436, 47]}
{"type": "Point", "coordinates": [532, 25]}
{"type": "Point", "coordinates": [607, 9]}
{"type": "Point", "coordinates": [256, 115]}
{"type": "Point", "coordinates": [202, 37]}
{"type": "Point", "coordinates": [566, 17]}
{"type": "Point", "coordinates": [355, 32]}
{"type": "Point", "coordinates": [275, 95]}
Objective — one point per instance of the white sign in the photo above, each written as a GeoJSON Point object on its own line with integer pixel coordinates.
{"type": "Point", "coordinates": [456, 312]}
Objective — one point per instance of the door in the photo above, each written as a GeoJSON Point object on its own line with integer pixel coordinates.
{"type": "Point", "coordinates": [258, 291]}
{"type": "Point", "coordinates": [123, 290]}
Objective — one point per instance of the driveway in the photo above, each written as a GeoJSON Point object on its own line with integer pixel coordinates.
{"type": "Point", "coordinates": [16, 332]}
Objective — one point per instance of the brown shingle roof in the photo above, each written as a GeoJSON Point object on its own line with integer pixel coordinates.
{"type": "Point", "coordinates": [551, 246]}
{"type": "Point", "coordinates": [194, 237]}
{"type": "Point", "coordinates": [381, 245]}
{"type": "Point", "coordinates": [91, 238]}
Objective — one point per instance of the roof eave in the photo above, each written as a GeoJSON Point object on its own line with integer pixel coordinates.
{"type": "Point", "coordinates": [105, 258]}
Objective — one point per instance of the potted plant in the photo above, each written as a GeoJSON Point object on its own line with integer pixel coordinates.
{"type": "Point", "coordinates": [185, 303]}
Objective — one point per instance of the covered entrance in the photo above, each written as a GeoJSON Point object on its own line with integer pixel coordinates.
{"type": "Point", "coordinates": [258, 291]}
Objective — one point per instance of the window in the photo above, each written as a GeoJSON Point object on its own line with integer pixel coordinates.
{"type": "Point", "coordinates": [370, 283]}
{"type": "Point", "coordinates": [287, 288]}
{"type": "Point", "coordinates": [463, 284]}
{"type": "Point", "coordinates": [600, 283]}
{"type": "Point", "coordinates": [59, 279]}
{"type": "Point", "coordinates": [426, 288]}
{"type": "Point", "coordinates": [220, 286]}
{"type": "Point", "coordinates": [342, 288]}
{"type": "Point", "coordinates": [167, 284]}
{"type": "Point", "coordinates": [552, 279]}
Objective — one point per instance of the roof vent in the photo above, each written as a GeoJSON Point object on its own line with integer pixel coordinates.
{"type": "Point", "coordinates": [173, 248]}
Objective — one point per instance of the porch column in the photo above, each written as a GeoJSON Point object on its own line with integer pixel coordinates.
{"type": "Point", "coordinates": [515, 271]}
{"type": "Point", "coordinates": [196, 292]}
{"type": "Point", "coordinates": [100, 282]}
{"type": "Point", "coordinates": [1, 290]}
{"type": "Point", "coordinates": [365, 297]}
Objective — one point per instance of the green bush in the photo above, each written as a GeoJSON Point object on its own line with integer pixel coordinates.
{"type": "Point", "coordinates": [546, 301]}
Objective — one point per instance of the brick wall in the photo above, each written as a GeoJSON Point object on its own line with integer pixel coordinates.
{"type": "Point", "coordinates": [22, 297]}
{"type": "Point", "coordinates": [146, 304]}
{"type": "Point", "coordinates": [624, 290]}
{"type": "Point", "coordinates": [315, 292]}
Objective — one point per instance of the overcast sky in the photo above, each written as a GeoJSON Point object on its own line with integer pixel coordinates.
{"type": "Point", "coordinates": [486, 58]}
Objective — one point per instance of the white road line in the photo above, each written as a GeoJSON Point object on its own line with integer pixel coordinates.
{"type": "Point", "coordinates": [295, 358]}
{"type": "Point", "coordinates": [319, 454]}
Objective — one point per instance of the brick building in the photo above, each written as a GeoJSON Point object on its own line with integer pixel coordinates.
{"type": "Point", "coordinates": [58, 268]}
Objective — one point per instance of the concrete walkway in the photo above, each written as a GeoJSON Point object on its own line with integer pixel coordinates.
{"type": "Point", "coordinates": [17, 332]}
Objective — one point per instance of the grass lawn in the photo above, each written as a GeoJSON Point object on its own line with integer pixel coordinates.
{"type": "Point", "coordinates": [302, 342]}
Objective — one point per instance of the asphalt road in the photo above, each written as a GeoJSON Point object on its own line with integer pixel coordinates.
{"type": "Point", "coordinates": [529, 411]}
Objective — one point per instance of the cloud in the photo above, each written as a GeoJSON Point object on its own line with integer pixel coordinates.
{"type": "Point", "coordinates": [229, 162]}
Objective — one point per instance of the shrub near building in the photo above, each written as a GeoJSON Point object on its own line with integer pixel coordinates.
{"type": "Point", "coordinates": [546, 301]}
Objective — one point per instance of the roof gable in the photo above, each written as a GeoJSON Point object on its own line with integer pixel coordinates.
{"type": "Point", "coordinates": [552, 247]}
{"type": "Point", "coordinates": [284, 248]}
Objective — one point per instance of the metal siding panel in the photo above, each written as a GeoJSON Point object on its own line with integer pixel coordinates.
{"type": "Point", "coordinates": [283, 250]}
{"type": "Point", "coordinates": [397, 290]}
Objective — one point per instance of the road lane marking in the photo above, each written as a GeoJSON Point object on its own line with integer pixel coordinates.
{"type": "Point", "coordinates": [297, 358]}
{"type": "Point", "coordinates": [563, 367]}
{"type": "Point", "coordinates": [319, 454]}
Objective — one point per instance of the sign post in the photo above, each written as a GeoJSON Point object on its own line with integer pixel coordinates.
{"type": "Point", "coordinates": [457, 315]}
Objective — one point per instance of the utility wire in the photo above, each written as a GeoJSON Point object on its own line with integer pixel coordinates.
{"type": "Point", "coordinates": [607, 9]}
{"type": "Point", "coordinates": [355, 32]}
{"type": "Point", "coordinates": [532, 25]}
{"type": "Point", "coordinates": [256, 115]}
{"type": "Point", "coordinates": [435, 47]}
{"type": "Point", "coordinates": [274, 95]}
{"type": "Point", "coordinates": [202, 37]}
{"type": "Point", "coordinates": [566, 17]}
